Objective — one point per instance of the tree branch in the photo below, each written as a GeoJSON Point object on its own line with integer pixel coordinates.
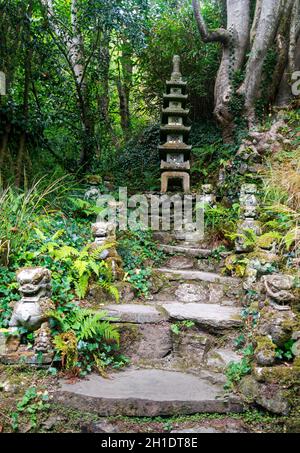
{"type": "Point", "coordinates": [218, 35]}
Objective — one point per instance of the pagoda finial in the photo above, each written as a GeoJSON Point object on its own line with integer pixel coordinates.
{"type": "Point", "coordinates": [176, 74]}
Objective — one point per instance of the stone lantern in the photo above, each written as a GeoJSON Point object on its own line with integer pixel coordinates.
{"type": "Point", "coordinates": [174, 152]}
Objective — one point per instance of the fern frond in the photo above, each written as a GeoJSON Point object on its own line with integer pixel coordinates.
{"type": "Point", "coordinates": [81, 266]}
{"type": "Point", "coordinates": [65, 252]}
{"type": "Point", "coordinates": [81, 286]}
{"type": "Point", "coordinates": [110, 289]}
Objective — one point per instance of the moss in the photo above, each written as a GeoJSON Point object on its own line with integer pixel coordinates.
{"type": "Point", "coordinates": [265, 344]}
{"type": "Point", "coordinates": [283, 375]}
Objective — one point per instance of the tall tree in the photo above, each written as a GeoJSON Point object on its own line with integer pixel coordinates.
{"type": "Point", "coordinates": [246, 41]}
{"type": "Point", "coordinates": [69, 39]}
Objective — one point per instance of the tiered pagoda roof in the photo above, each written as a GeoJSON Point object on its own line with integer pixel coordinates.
{"type": "Point", "coordinates": [174, 151]}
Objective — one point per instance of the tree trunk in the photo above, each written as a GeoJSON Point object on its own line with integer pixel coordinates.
{"type": "Point", "coordinates": [74, 54]}
{"type": "Point", "coordinates": [270, 24]}
{"type": "Point", "coordinates": [103, 97]}
{"type": "Point", "coordinates": [285, 94]}
{"type": "Point", "coordinates": [27, 73]}
{"type": "Point", "coordinates": [264, 36]}
{"type": "Point", "coordinates": [124, 84]}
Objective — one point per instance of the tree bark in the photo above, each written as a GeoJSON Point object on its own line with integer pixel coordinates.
{"type": "Point", "coordinates": [274, 20]}
{"type": "Point", "coordinates": [124, 84]}
{"type": "Point", "coordinates": [264, 36]}
{"type": "Point", "coordinates": [235, 42]}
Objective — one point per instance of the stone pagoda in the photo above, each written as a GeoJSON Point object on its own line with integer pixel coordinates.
{"type": "Point", "coordinates": [174, 152]}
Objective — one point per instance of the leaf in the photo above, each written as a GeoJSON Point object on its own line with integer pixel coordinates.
{"type": "Point", "coordinates": [65, 252]}
{"type": "Point", "coordinates": [81, 267]}
{"type": "Point", "coordinates": [81, 286]}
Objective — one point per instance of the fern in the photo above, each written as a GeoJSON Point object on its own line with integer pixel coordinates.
{"type": "Point", "coordinates": [66, 345]}
{"type": "Point", "coordinates": [87, 337]}
{"type": "Point", "coordinates": [111, 289]}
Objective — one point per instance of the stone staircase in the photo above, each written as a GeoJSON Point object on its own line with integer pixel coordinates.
{"type": "Point", "coordinates": [179, 342]}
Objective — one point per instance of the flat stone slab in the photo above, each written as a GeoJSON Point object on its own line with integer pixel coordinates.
{"type": "Point", "coordinates": [135, 313]}
{"type": "Point", "coordinates": [185, 250]}
{"type": "Point", "coordinates": [179, 274]}
{"type": "Point", "coordinates": [219, 359]}
{"type": "Point", "coordinates": [181, 262]}
{"type": "Point", "coordinates": [210, 316]}
{"type": "Point", "coordinates": [146, 393]}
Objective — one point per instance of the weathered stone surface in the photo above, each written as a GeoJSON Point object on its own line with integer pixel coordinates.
{"type": "Point", "coordinates": [134, 313]}
{"type": "Point", "coordinates": [296, 348]}
{"type": "Point", "coordinates": [152, 341]}
{"type": "Point", "coordinates": [146, 393]}
{"type": "Point", "coordinates": [279, 325]}
{"type": "Point", "coordinates": [180, 262]}
{"type": "Point", "coordinates": [219, 359]}
{"type": "Point", "coordinates": [35, 288]}
{"type": "Point", "coordinates": [188, 292]}
{"type": "Point", "coordinates": [279, 287]}
{"type": "Point", "coordinates": [198, 275]}
{"type": "Point", "coordinates": [268, 396]}
{"type": "Point", "coordinates": [164, 237]}
{"type": "Point", "coordinates": [210, 316]}
{"type": "Point", "coordinates": [187, 251]}
{"type": "Point", "coordinates": [191, 346]}
{"type": "Point", "coordinates": [98, 427]}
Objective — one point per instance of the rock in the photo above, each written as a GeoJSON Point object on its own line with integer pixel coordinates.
{"type": "Point", "coordinates": [191, 347]}
{"type": "Point", "coordinates": [146, 393]}
{"type": "Point", "coordinates": [265, 351]}
{"type": "Point", "coordinates": [99, 427]}
{"type": "Point", "coordinates": [163, 237]}
{"type": "Point", "coordinates": [268, 396]}
{"type": "Point", "coordinates": [180, 262]}
{"type": "Point", "coordinates": [135, 313]}
{"type": "Point", "coordinates": [211, 277]}
{"type": "Point", "coordinates": [211, 316]}
{"type": "Point", "coordinates": [219, 359]}
{"type": "Point", "coordinates": [9, 341]}
{"type": "Point", "coordinates": [279, 287]}
{"type": "Point", "coordinates": [51, 422]}
{"type": "Point", "coordinates": [211, 430]}
{"type": "Point", "coordinates": [265, 358]}
{"type": "Point", "coordinates": [155, 342]}
{"type": "Point", "coordinates": [188, 292]}
{"type": "Point", "coordinates": [279, 325]}
{"type": "Point", "coordinates": [186, 250]}
{"type": "Point", "coordinates": [296, 348]}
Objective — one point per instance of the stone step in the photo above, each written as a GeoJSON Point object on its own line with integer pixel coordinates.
{"type": "Point", "coordinates": [193, 252]}
{"type": "Point", "coordinates": [186, 274]}
{"type": "Point", "coordinates": [135, 313]}
{"type": "Point", "coordinates": [212, 317]}
{"type": "Point", "coordinates": [146, 393]}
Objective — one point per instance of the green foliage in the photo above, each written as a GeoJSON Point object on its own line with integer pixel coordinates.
{"type": "Point", "coordinates": [181, 326]}
{"type": "Point", "coordinates": [235, 371]}
{"type": "Point", "coordinates": [139, 252]}
{"type": "Point", "coordinates": [87, 340]}
{"type": "Point", "coordinates": [285, 352]}
{"type": "Point", "coordinates": [80, 265]}
{"type": "Point", "coordinates": [220, 221]}
{"type": "Point", "coordinates": [170, 34]}
{"type": "Point", "coordinates": [31, 404]}
{"type": "Point", "coordinates": [136, 166]}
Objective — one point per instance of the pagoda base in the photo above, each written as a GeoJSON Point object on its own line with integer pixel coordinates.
{"type": "Point", "coordinates": [182, 175]}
